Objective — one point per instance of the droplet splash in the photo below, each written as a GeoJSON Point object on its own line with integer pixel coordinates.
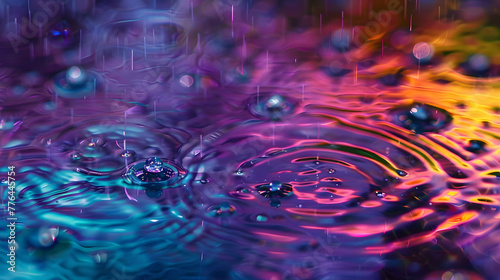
{"type": "Point", "coordinates": [275, 189]}
{"type": "Point", "coordinates": [155, 172]}
{"type": "Point", "coordinates": [273, 107]}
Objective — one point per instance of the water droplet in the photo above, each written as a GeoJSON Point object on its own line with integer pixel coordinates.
{"type": "Point", "coordinates": [155, 171]}
{"type": "Point", "coordinates": [127, 154]}
{"type": "Point", "coordinates": [203, 181]}
{"type": "Point", "coordinates": [75, 76]}
{"type": "Point", "coordinates": [331, 170]}
{"type": "Point", "coordinates": [186, 81]}
{"type": "Point", "coordinates": [401, 173]}
{"type": "Point", "coordinates": [380, 194]}
{"type": "Point", "coordinates": [275, 189]}
{"type": "Point", "coordinates": [275, 203]}
{"type": "Point", "coordinates": [261, 218]}
{"type": "Point", "coordinates": [76, 156]}
{"type": "Point", "coordinates": [422, 51]}
{"type": "Point", "coordinates": [420, 118]}
{"type": "Point", "coordinates": [239, 172]}
{"type": "Point", "coordinates": [273, 107]}
{"type": "Point", "coordinates": [153, 165]}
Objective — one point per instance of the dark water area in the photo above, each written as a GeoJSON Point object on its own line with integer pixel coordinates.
{"type": "Point", "coordinates": [245, 139]}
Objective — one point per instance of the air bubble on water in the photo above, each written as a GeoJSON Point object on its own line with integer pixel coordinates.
{"type": "Point", "coordinates": [275, 189]}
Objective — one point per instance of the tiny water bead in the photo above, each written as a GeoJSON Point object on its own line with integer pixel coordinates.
{"type": "Point", "coordinates": [76, 77]}
{"type": "Point", "coordinates": [420, 118]}
{"type": "Point", "coordinates": [74, 83]}
{"type": "Point", "coordinates": [380, 194]}
{"type": "Point", "coordinates": [272, 107]}
{"type": "Point", "coordinates": [155, 172]}
{"type": "Point", "coordinates": [275, 189]}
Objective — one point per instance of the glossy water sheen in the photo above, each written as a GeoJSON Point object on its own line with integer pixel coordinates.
{"type": "Point", "coordinates": [250, 140]}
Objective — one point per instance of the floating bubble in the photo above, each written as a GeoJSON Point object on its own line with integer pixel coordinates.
{"type": "Point", "coordinates": [186, 81]}
{"type": "Point", "coordinates": [420, 118]}
{"type": "Point", "coordinates": [275, 189]}
{"type": "Point", "coordinates": [422, 51]}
